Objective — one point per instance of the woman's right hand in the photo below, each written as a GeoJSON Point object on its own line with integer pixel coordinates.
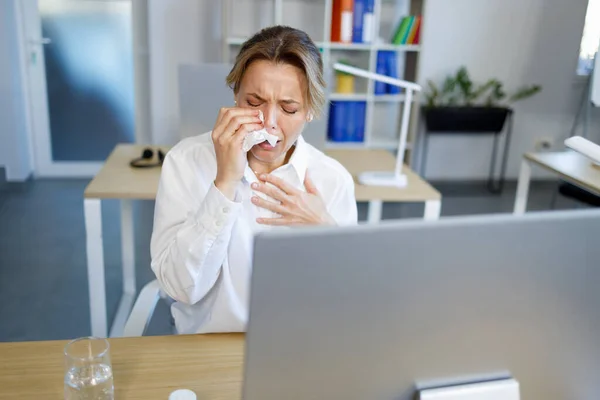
{"type": "Point", "coordinates": [228, 136]}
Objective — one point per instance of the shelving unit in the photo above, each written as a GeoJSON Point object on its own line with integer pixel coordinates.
{"type": "Point", "coordinates": [382, 119]}
{"type": "Point", "coordinates": [393, 98]}
{"type": "Point", "coordinates": [238, 41]}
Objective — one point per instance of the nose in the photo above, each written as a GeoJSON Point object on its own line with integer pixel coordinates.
{"type": "Point", "coordinates": [270, 114]}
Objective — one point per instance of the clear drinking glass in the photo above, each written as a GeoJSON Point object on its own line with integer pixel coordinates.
{"type": "Point", "coordinates": [88, 370]}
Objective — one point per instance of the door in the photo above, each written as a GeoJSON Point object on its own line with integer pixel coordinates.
{"type": "Point", "coordinates": [80, 80]}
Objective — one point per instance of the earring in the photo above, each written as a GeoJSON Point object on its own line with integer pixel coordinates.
{"type": "Point", "coordinates": [235, 102]}
{"type": "Point", "coordinates": [309, 118]}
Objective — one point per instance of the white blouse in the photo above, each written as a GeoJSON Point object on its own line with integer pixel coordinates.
{"type": "Point", "coordinates": [202, 242]}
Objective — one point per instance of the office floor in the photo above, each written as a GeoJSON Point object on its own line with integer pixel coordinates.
{"type": "Point", "coordinates": [43, 281]}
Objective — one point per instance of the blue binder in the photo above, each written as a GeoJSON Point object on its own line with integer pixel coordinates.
{"type": "Point", "coordinates": [382, 70]}
{"type": "Point", "coordinates": [360, 111]}
{"type": "Point", "coordinates": [337, 117]}
{"type": "Point", "coordinates": [357, 23]}
{"type": "Point", "coordinates": [392, 71]}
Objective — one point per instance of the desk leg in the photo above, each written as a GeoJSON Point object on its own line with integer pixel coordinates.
{"type": "Point", "coordinates": [433, 209]}
{"type": "Point", "coordinates": [522, 188]}
{"type": "Point", "coordinates": [128, 259]}
{"type": "Point", "coordinates": [127, 246]}
{"type": "Point", "coordinates": [92, 209]}
{"type": "Point", "coordinates": [375, 207]}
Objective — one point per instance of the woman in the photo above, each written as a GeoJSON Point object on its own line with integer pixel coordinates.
{"type": "Point", "coordinates": [213, 197]}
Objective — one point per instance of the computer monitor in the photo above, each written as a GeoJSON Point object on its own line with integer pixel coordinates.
{"type": "Point", "coordinates": [377, 312]}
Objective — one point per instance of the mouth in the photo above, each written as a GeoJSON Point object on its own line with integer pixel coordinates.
{"type": "Point", "coordinates": [267, 146]}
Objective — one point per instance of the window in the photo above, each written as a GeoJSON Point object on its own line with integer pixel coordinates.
{"type": "Point", "coordinates": [590, 38]}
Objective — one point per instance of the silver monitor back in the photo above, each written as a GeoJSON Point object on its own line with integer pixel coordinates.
{"type": "Point", "coordinates": [376, 312]}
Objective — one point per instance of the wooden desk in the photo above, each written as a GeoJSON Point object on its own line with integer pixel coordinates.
{"type": "Point", "coordinates": [116, 180]}
{"type": "Point", "coordinates": [144, 368]}
{"type": "Point", "coordinates": [568, 165]}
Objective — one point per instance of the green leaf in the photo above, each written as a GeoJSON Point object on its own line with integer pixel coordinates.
{"type": "Point", "coordinates": [525, 92]}
{"type": "Point", "coordinates": [449, 85]}
{"type": "Point", "coordinates": [433, 95]}
{"type": "Point", "coordinates": [496, 95]}
{"type": "Point", "coordinates": [459, 90]}
{"type": "Point", "coordinates": [482, 89]}
{"type": "Point", "coordinates": [465, 84]}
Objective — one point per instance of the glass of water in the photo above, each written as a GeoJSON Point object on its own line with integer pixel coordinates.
{"type": "Point", "coordinates": [88, 370]}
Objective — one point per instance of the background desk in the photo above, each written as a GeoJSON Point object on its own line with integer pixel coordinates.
{"type": "Point", "coordinates": [116, 180]}
{"type": "Point", "coordinates": [417, 191]}
{"type": "Point", "coordinates": [568, 165]}
{"type": "Point", "coordinates": [143, 367]}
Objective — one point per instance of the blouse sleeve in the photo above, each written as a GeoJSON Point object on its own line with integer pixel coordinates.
{"type": "Point", "coordinates": [193, 222]}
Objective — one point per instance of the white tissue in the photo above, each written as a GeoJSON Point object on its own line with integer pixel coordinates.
{"type": "Point", "coordinates": [256, 137]}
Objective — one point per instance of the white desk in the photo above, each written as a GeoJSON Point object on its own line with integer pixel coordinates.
{"type": "Point", "coordinates": [568, 165]}
{"type": "Point", "coordinates": [117, 180]}
{"type": "Point", "coordinates": [417, 191]}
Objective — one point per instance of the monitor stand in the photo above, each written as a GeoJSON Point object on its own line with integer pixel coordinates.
{"type": "Point", "coordinates": [505, 389]}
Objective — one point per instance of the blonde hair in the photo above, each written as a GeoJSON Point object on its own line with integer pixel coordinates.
{"type": "Point", "coordinates": [282, 44]}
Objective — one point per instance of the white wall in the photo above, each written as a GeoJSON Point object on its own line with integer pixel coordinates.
{"type": "Point", "coordinates": [190, 32]}
{"type": "Point", "coordinates": [180, 32]}
{"type": "Point", "coordinates": [14, 147]}
{"type": "Point", "coordinates": [519, 42]}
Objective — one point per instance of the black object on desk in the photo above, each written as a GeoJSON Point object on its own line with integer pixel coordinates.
{"type": "Point", "coordinates": [147, 159]}
{"type": "Point", "coordinates": [471, 120]}
{"type": "Point", "coordinates": [576, 193]}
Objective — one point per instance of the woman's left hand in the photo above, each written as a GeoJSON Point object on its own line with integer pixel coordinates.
{"type": "Point", "coordinates": [294, 206]}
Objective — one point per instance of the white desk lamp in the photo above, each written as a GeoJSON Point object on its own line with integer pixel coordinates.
{"type": "Point", "coordinates": [395, 178]}
{"type": "Point", "coordinates": [583, 146]}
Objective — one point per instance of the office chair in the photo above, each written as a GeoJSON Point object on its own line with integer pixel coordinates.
{"type": "Point", "coordinates": [143, 309]}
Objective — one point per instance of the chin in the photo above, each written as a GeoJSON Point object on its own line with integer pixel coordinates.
{"type": "Point", "coordinates": [268, 155]}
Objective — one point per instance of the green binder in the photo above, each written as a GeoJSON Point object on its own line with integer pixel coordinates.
{"type": "Point", "coordinates": [401, 30]}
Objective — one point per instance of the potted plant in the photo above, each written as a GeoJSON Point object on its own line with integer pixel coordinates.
{"type": "Point", "coordinates": [464, 106]}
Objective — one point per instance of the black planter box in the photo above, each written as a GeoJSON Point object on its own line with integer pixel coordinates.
{"type": "Point", "coordinates": [465, 119]}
